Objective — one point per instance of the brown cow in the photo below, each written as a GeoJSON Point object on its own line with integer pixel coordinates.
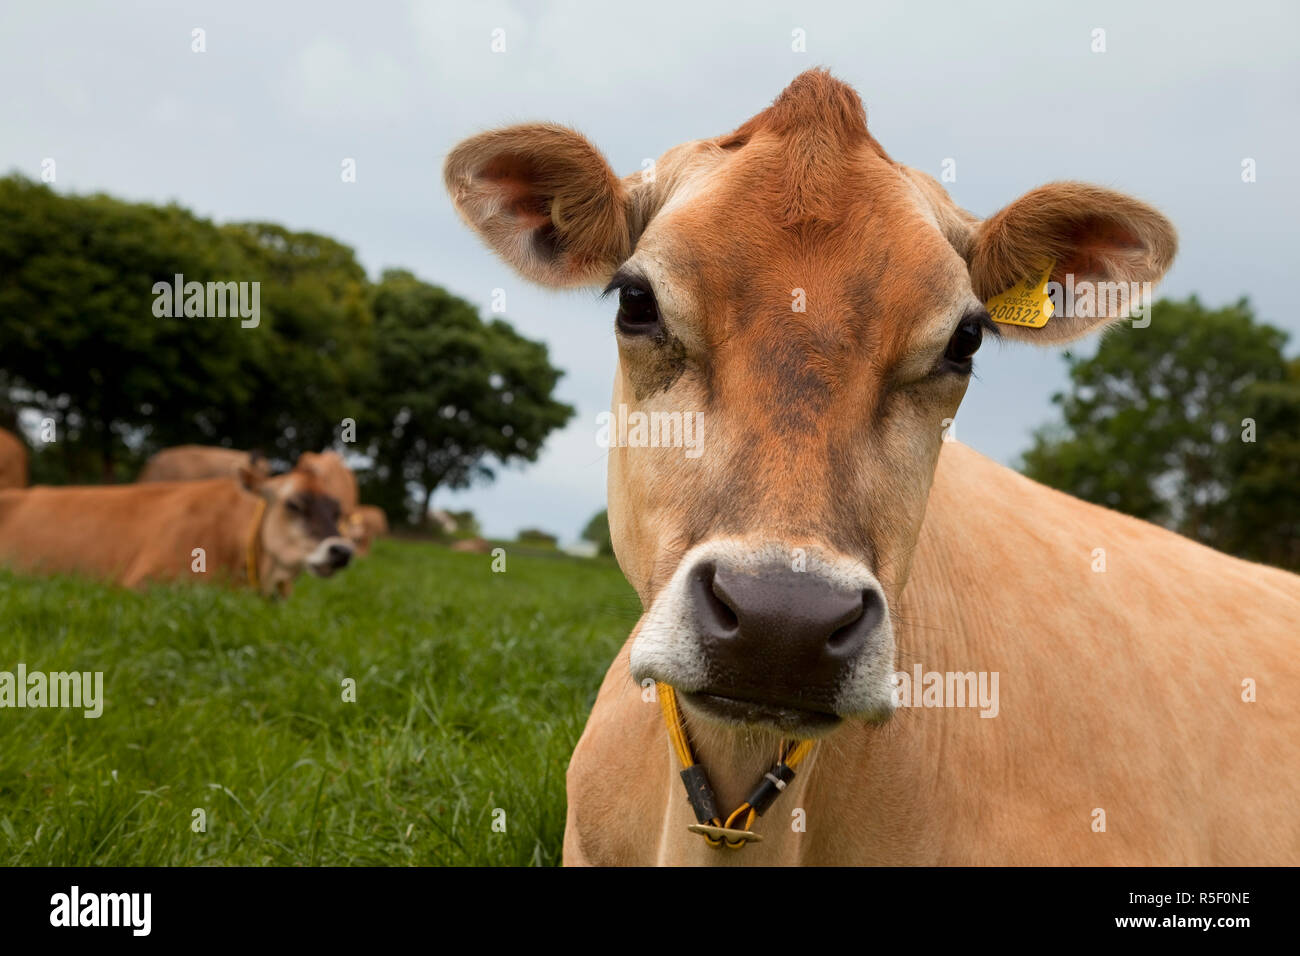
{"type": "Point", "coordinates": [196, 462]}
{"type": "Point", "coordinates": [13, 461]}
{"type": "Point", "coordinates": [193, 462]}
{"type": "Point", "coordinates": [817, 305]}
{"type": "Point", "coordinates": [136, 534]}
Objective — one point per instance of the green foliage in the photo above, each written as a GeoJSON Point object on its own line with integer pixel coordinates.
{"type": "Point", "coordinates": [78, 337]}
{"type": "Point", "coordinates": [435, 392]}
{"type": "Point", "coordinates": [1153, 426]}
{"type": "Point", "coordinates": [1260, 517]}
{"type": "Point", "coordinates": [451, 394]}
{"type": "Point", "coordinates": [318, 340]}
{"type": "Point", "coordinates": [467, 525]}
{"type": "Point", "coordinates": [470, 695]}
{"type": "Point", "coordinates": [597, 531]}
{"type": "Point", "coordinates": [537, 538]}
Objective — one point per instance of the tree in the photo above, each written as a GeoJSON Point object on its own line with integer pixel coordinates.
{"type": "Point", "coordinates": [318, 327]}
{"type": "Point", "coordinates": [1153, 426]}
{"type": "Point", "coordinates": [597, 532]}
{"type": "Point", "coordinates": [1261, 513]}
{"type": "Point", "coordinates": [467, 525]}
{"type": "Point", "coordinates": [450, 395]}
{"type": "Point", "coordinates": [78, 336]}
{"type": "Point", "coordinates": [83, 341]}
{"type": "Point", "coordinates": [537, 538]}
{"type": "Point", "coordinates": [436, 393]}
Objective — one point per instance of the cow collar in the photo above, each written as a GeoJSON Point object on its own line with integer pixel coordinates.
{"type": "Point", "coordinates": [253, 550]}
{"type": "Point", "coordinates": [699, 793]}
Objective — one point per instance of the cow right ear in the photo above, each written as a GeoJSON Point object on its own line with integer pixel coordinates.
{"type": "Point", "coordinates": [545, 200]}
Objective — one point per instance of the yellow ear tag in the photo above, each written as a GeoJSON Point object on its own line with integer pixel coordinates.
{"type": "Point", "coordinates": [1025, 303]}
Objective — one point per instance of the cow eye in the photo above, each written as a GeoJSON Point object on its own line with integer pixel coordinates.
{"type": "Point", "coordinates": [965, 342]}
{"type": "Point", "coordinates": [294, 506]}
{"type": "Point", "coordinates": [638, 314]}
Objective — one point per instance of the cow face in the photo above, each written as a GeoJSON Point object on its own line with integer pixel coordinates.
{"type": "Point", "coordinates": [808, 310]}
{"type": "Point", "coordinates": [300, 528]}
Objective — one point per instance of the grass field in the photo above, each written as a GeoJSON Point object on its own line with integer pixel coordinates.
{"type": "Point", "coordinates": [472, 688]}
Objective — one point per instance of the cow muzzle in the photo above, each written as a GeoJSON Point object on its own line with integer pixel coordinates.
{"type": "Point", "coordinates": [332, 554]}
{"type": "Point", "coordinates": [793, 640]}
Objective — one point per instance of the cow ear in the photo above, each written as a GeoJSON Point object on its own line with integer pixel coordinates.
{"type": "Point", "coordinates": [545, 200]}
{"type": "Point", "coordinates": [307, 462]}
{"type": "Point", "coordinates": [253, 480]}
{"type": "Point", "coordinates": [1093, 235]}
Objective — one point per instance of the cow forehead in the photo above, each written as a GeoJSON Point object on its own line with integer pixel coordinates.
{"type": "Point", "coordinates": [302, 481]}
{"type": "Point", "coordinates": [800, 212]}
{"type": "Point", "coordinates": [854, 256]}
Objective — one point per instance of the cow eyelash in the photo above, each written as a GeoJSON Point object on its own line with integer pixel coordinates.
{"type": "Point", "coordinates": [638, 311]}
{"type": "Point", "coordinates": [966, 340]}
{"type": "Point", "coordinates": [622, 279]}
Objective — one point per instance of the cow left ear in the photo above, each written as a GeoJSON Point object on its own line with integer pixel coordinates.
{"type": "Point", "coordinates": [1093, 235]}
{"type": "Point", "coordinates": [253, 480]}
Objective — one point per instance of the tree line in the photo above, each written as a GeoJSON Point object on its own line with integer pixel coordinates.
{"type": "Point", "coordinates": [1192, 422]}
{"type": "Point", "coordinates": [398, 370]}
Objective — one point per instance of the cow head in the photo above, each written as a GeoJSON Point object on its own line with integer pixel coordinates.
{"type": "Point", "coordinates": [300, 527]}
{"type": "Point", "coordinates": [816, 308]}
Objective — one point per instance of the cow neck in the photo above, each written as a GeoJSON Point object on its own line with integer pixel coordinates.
{"type": "Point", "coordinates": [736, 831]}
{"type": "Point", "coordinates": [253, 549]}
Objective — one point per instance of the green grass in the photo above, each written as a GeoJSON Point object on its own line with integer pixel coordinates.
{"type": "Point", "coordinates": [472, 688]}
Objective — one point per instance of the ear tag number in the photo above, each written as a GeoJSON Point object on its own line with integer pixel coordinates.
{"type": "Point", "coordinates": [1025, 303]}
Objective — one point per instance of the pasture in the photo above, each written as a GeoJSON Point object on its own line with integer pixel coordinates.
{"type": "Point", "coordinates": [472, 688]}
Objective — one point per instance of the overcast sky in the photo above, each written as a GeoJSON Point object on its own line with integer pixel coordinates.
{"type": "Point", "coordinates": [257, 126]}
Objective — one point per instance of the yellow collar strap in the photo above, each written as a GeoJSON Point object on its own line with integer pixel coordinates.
{"type": "Point", "coordinates": [700, 793]}
{"type": "Point", "coordinates": [253, 550]}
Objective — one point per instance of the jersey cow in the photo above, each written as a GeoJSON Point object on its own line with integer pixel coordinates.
{"type": "Point", "coordinates": [828, 585]}
{"type": "Point", "coordinates": [13, 461]}
{"type": "Point", "coordinates": [195, 462]}
{"type": "Point", "coordinates": [254, 530]}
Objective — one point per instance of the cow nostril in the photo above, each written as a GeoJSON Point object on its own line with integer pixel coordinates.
{"type": "Point", "coordinates": [858, 624]}
{"type": "Point", "coordinates": [340, 556]}
{"type": "Point", "coordinates": [712, 606]}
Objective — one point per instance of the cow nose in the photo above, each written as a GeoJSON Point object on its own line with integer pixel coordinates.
{"type": "Point", "coordinates": [339, 555]}
{"type": "Point", "coordinates": [781, 636]}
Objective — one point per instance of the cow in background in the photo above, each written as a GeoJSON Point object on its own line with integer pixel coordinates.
{"type": "Point", "coordinates": [196, 462]}
{"type": "Point", "coordinates": [258, 531]}
{"type": "Point", "coordinates": [13, 461]}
